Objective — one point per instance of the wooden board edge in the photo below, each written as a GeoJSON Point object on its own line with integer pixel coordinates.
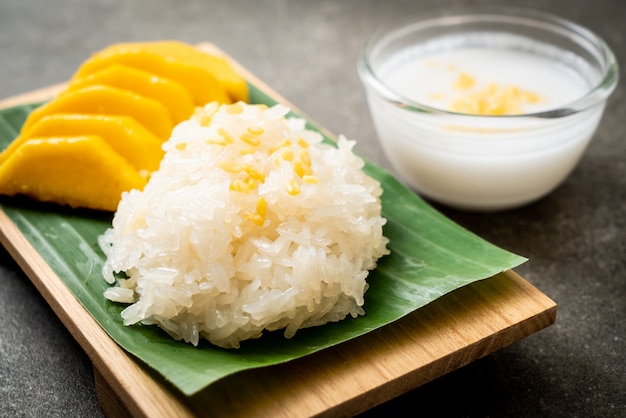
{"type": "Point", "coordinates": [426, 344]}
{"type": "Point", "coordinates": [448, 363]}
{"type": "Point", "coordinates": [121, 372]}
{"type": "Point", "coordinates": [34, 96]}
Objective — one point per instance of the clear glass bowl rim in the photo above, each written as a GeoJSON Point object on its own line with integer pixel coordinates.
{"type": "Point", "coordinates": [597, 94]}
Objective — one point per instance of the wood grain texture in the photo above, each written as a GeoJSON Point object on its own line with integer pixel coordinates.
{"type": "Point", "coordinates": [456, 329]}
{"type": "Point", "coordinates": [344, 380]}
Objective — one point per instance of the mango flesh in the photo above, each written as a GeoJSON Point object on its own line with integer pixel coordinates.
{"type": "Point", "coordinates": [207, 77]}
{"type": "Point", "coordinates": [165, 91]}
{"type": "Point", "coordinates": [233, 82]}
{"type": "Point", "coordinates": [123, 134]}
{"type": "Point", "coordinates": [103, 134]}
{"type": "Point", "coordinates": [78, 171]}
{"type": "Point", "coordinates": [109, 101]}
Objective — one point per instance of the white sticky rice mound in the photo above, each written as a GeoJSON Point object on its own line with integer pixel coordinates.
{"type": "Point", "coordinates": [233, 236]}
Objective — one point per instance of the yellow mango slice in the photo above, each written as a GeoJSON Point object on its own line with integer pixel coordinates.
{"type": "Point", "coordinates": [168, 92]}
{"type": "Point", "coordinates": [76, 171]}
{"type": "Point", "coordinates": [201, 79]}
{"type": "Point", "coordinates": [123, 134]}
{"type": "Point", "coordinates": [108, 101]}
{"type": "Point", "coordinates": [233, 82]}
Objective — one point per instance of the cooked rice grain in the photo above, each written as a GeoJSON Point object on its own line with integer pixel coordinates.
{"type": "Point", "coordinates": [251, 223]}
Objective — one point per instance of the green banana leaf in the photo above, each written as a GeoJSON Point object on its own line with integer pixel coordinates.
{"type": "Point", "coordinates": [430, 256]}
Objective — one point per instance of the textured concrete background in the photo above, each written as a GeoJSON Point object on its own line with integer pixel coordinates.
{"type": "Point", "coordinates": [306, 50]}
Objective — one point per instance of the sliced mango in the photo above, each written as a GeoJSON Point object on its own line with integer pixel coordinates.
{"type": "Point", "coordinates": [168, 92]}
{"type": "Point", "coordinates": [76, 171]}
{"type": "Point", "coordinates": [123, 134]}
{"type": "Point", "coordinates": [235, 84]}
{"type": "Point", "coordinates": [207, 79]}
{"type": "Point", "coordinates": [108, 101]}
{"type": "Point", "coordinates": [103, 134]}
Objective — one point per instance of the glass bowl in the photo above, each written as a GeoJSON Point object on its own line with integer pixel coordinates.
{"type": "Point", "coordinates": [464, 152]}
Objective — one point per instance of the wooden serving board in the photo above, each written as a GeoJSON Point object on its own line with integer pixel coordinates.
{"type": "Point", "coordinates": [344, 380]}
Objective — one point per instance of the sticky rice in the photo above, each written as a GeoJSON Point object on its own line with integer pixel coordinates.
{"type": "Point", "coordinates": [252, 223]}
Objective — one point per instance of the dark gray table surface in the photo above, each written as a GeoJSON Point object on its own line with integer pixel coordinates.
{"type": "Point", "coordinates": [575, 238]}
